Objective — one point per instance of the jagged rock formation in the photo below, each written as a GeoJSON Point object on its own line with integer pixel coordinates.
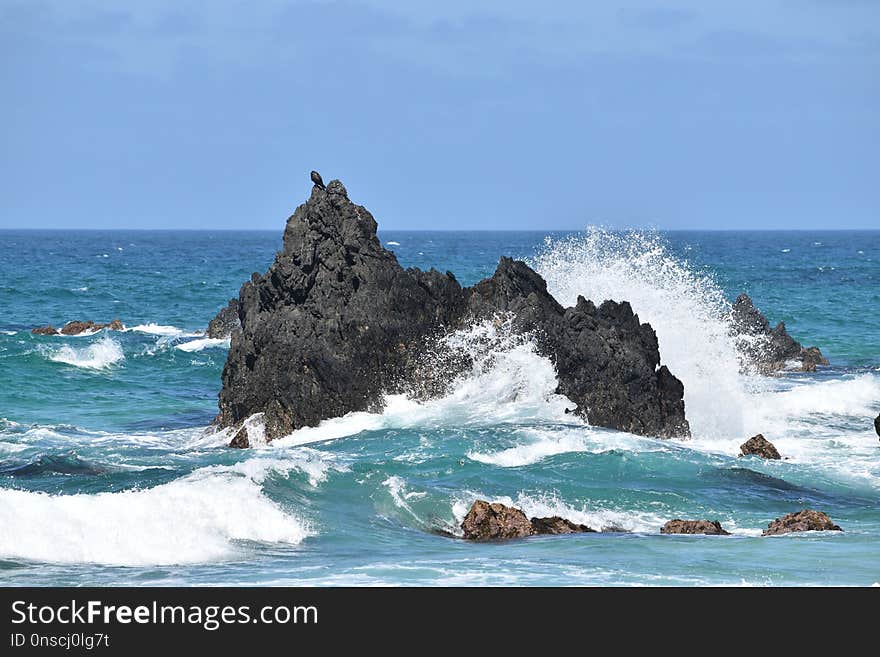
{"type": "Point", "coordinates": [76, 327]}
{"type": "Point", "coordinates": [336, 323]}
{"type": "Point", "coordinates": [802, 521]}
{"type": "Point", "coordinates": [712, 527]}
{"type": "Point", "coordinates": [491, 521]}
{"type": "Point", "coordinates": [225, 323]}
{"type": "Point", "coordinates": [760, 446]}
{"type": "Point", "coordinates": [769, 349]}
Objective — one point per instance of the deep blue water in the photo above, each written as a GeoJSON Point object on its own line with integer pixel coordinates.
{"type": "Point", "coordinates": [108, 475]}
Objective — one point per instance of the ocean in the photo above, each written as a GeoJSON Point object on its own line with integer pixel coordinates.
{"type": "Point", "coordinates": [110, 475]}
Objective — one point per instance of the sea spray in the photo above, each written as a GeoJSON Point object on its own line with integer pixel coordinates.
{"type": "Point", "coordinates": [686, 308]}
{"type": "Point", "coordinates": [95, 356]}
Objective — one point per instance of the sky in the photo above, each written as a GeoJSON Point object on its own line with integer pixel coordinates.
{"type": "Point", "coordinates": [502, 114]}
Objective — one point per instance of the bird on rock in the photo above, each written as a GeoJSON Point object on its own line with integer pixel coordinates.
{"type": "Point", "coordinates": [316, 178]}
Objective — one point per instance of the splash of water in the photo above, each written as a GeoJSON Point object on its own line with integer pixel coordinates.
{"type": "Point", "coordinates": [686, 308]}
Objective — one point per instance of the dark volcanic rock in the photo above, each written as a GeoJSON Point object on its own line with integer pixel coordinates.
{"type": "Point", "coordinates": [225, 323]}
{"type": "Point", "coordinates": [485, 521]}
{"type": "Point", "coordinates": [336, 323]}
{"type": "Point", "coordinates": [759, 446]}
{"type": "Point", "coordinates": [241, 439]}
{"type": "Point", "coordinates": [77, 327]}
{"type": "Point", "coordinates": [877, 425]}
{"type": "Point", "coordinates": [45, 330]}
{"type": "Point", "coordinates": [769, 349]}
{"type": "Point", "coordinates": [712, 527]}
{"type": "Point", "coordinates": [802, 521]}
{"type": "Point", "coordinates": [557, 525]}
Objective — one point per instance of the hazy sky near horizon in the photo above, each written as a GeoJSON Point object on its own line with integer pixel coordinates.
{"type": "Point", "coordinates": [490, 115]}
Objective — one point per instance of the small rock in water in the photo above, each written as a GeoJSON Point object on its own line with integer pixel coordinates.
{"type": "Point", "coordinates": [486, 521]}
{"type": "Point", "coordinates": [711, 527]}
{"type": "Point", "coordinates": [759, 446]}
{"type": "Point", "coordinates": [76, 327]}
{"type": "Point", "coordinates": [557, 525]}
{"type": "Point", "coordinates": [45, 330]}
{"type": "Point", "coordinates": [802, 521]}
{"type": "Point", "coordinates": [877, 425]}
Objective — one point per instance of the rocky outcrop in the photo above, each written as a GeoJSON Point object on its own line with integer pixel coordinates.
{"type": "Point", "coordinates": [77, 327]}
{"type": "Point", "coordinates": [225, 323]}
{"type": "Point", "coordinates": [759, 446]}
{"type": "Point", "coordinates": [877, 425]}
{"type": "Point", "coordinates": [485, 521]}
{"type": "Point", "coordinates": [336, 323]}
{"type": "Point", "coordinates": [711, 527]}
{"type": "Point", "coordinates": [769, 350]}
{"type": "Point", "coordinates": [491, 521]}
{"type": "Point", "coordinates": [802, 521]}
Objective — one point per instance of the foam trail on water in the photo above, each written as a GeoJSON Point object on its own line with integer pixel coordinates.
{"type": "Point", "coordinates": [194, 519]}
{"type": "Point", "coordinates": [96, 356]}
{"type": "Point", "coordinates": [686, 308]}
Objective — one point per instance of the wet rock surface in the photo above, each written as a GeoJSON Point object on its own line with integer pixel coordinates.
{"type": "Point", "coordinates": [770, 349]}
{"type": "Point", "coordinates": [76, 327]}
{"type": "Point", "coordinates": [493, 520]}
{"type": "Point", "coordinates": [711, 527]}
{"type": "Point", "coordinates": [759, 446]}
{"type": "Point", "coordinates": [807, 520]}
{"type": "Point", "coordinates": [225, 323]}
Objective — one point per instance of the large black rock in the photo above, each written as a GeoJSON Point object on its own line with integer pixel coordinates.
{"type": "Point", "coordinates": [769, 349]}
{"type": "Point", "coordinates": [336, 323]}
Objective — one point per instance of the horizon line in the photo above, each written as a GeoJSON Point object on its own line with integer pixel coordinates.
{"type": "Point", "coordinates": [460, 230]}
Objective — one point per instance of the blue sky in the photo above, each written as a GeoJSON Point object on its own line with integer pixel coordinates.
{"type": "Point", "coordinates": [490, 115]}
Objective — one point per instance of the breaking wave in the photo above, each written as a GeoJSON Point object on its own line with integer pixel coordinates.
{"type": "Point", "coordinates": [96, 356]}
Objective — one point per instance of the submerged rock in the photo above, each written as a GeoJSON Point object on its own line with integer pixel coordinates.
{"type": "Point", "coordinates": [759, 446]}
{"type": "Point", "coordinates": [45, 330]}
{"type": "Point", "coordinates": [802, 521]}
{"type": "Point", "coordinates": [711, 527]}
{"type": "Point", "coordinates": [225, 323]}
{"type": "Point", "coordinates": [336, 324]}
{"type": "Point", "coordinates": [769, 349]}
{"type": "Point", "coordinates": [557, 525]}
{"type": "Point", "coordinates": [485, 521]}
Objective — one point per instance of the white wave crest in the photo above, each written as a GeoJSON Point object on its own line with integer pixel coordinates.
{"type": "Point", "coordinates": [686, 308]}
{"type": "Point", "coordinates": [203, 343]}
{"type": "Point", "coordinates": [195, 519]}
{"type": "Point", "coordinates": [161, 329]}
{"type": "Point", "coordinates": [96, 356]}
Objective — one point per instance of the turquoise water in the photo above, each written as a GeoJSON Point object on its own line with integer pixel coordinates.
{"type": "Point", "coordinates": [109, 476]}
